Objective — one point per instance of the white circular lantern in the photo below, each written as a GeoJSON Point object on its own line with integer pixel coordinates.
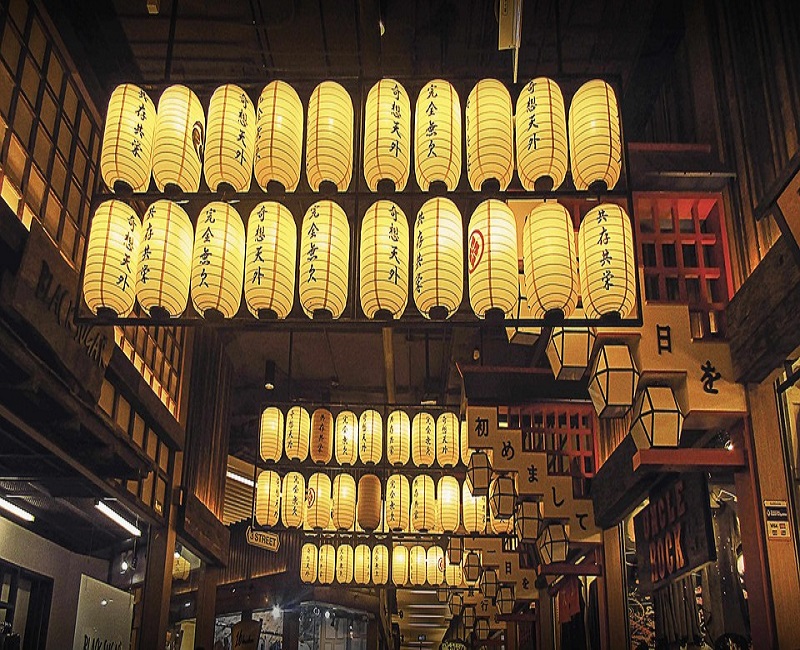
{"type": "Point", "coordinates": [279, 137]}
{"type": "Point", "coordinates": [270, 434]}
{"type": "Point", "coordinates": [398, 438]}
{"type": "Point", "coordinates": [449, 497]}
{"type": "Point", "coordinates": [423, 503]}
{"type": "Point", "coordinates": [327, 564]}
{"type": "Point", "coordinates": [318, 501]}
{"type": "Point", "coordinates": [383, 281]}
{"type": "Point", "coordinates": [370, 437]}
{"type": "Point", "coordinates": [179, 140]}
{"type": "Point", "coordinates": [500, 526]}
{"type": "Point", "coordinates": [490, 135]}
{"type": "Point", "coordinates": [434, 565]}
{"type": "Point", "coordinates": [346, 438]}
{"type": "Point", "coordinates": [423, 440]}
{"type": "Point", "coordinates": [453, 575]}
{"type": "Point", "coordinates": [387, 135]}
{"type": "Point", "coordinates": [329, 137]}
{"type": "Point", "coordinates": [230, 141]}
{"type": "Point", "coordinates": [399, 565]}
{"type": "Point", "coordinates": [344, 502]}
{"type": "Point", "coordinates": [293, 500]}
{"type": "Point", "coordinates": [298, 430]}
{"type": "Point", "coordinates": [473, 510]}
{"type": "Point", "coordinates": [321, 448]}
{"type": "Point", "coordinates": [398, 499]}
{"type": "Point", "coordinates": [417, 565]}
{"type": "Point", "coordinates": [447, 439]}
{"type": "Point", "coordinates": [437, 135]}
{"type": "Point", "coordinates": [362, 564]}
{"type": "Point", "coordinates": [309, 559]}
{"type": "Point", "coordinates": [268, 498]}
{"type": "Point", "coordinates": [541, 135]}
{"type": "Point", "coordinates": [380, 564]}
{"type": "Point", "coordinates": [344, 564]}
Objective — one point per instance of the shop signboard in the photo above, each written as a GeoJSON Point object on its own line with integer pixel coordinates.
{"type": "Point", "coordinates": [777, 516]}
{"type": "Point", "coordinates": [104, 617]}
{"type": "Point", "coordinates": [245, 635]}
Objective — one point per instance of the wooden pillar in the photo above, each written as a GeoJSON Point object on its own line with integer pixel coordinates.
{"type": "Point", "coordinates": [544, 626]}
{"type": "Point", "coordinates": [291, 630]}
{"type": "Point", "coordinates": [372, 633]}
{"type": "Point", "coordinates": [157, 586]}
{"type": "Point", "coordinates": [206, 608]}
{"type": "Point", "coordinates": [611, 593]}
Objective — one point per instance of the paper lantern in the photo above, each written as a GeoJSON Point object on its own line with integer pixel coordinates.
{"type": "Point", "coordinates": [387, 135]}
{"type": "Point", "coordinates": [434, 565]}
{"type": "Point", "coordinates": [466, 452]}
{"type": "Point", "coordinates": [473, 509]}
{"type": "Point", "coordinates": [505, 600]}
{"type": "Point", "coordinates": [218, 261]}
{"type": "Point", "coordinates": [541, 135]}
{"type": "Point", "coordinates": [437, 136]}
{"type": "Point", "coordinates": [279, 137]}
{"type": "Point", "coordinates": [344, 564]}
{"type": "Point", "coordinates": [346, 438]}
{"type": "Point", "coordinates": [479, 473]}
{"type": "Point", "coordinates": [488, 583]}
{"type": "Point", "coordinates": [269, 271]}
{"type": "Point", "coordinates": [380, 564]}
{"type": "Point", "coordinates": [128, 134]}
{"type": "Point", "coordinates": [449, 503]}
{"type": "Point", "coordinates": [270, 434]}
{"type": "Point", "coordinates": [327, 564]}
{"type": "Point", "coordinates": [298, 430]}
{"type": "Point", "coordinates": [657, 419]}
{"type": "Point", "coordinates": [423, 503]}
{"type": "Point", "coordinates": [569, 351]}
{"type": "Point", "coordinates": [321, 436]}
{"type": "Point", "coordinates": [179, 141]}
{"type": "Point", "coordinates": [438, 282]}
{"type": "Point", "coordinates": [423, 440]}
{"type": "Point", "coordinates": [613, 381]}
{"type": "Point", "coordinates": [501, 526]}
{"type": "Point", "coordinates": [369, 502]}
{"type": "Point", "coordinates": [180, 568]}
{"type": "Point", "coordinates": [595, 137]}
{"type": "Point", "coordinates": [455, 550]}
{"type": "Point", "coordinates": [318, 502]}
{"type": "Point", "coordinates": [468, 616]}
{"type": "Point", "coordinates": [329, 137]}
{"type": "Point", "coordinates": [343, 502]}
{"type": "Point", "coordinates": [398, 438]}
{"type": "Point", "coordinates": [493, 261]}
{"type": "Point", "coordinates": [490, 135]}
{"type": "Point", "coordinates": [482, 629]}
{"type": "Point", "coordinates": [453, 575]}
{"type": "Point", "coordinates": [447, 439]}
{"type": "Point", "coordinates": [417, 569]}
{"type": "Point", "coordinates": [383, 278]}
{"type": "Point", "coordinates": [399, 565]}
{"type": "Point", "coordinates": [112, 259]}
{"type": "Point", "coordinates": [293, 500]}
{"type": "Point", "coordinates": [398, 498]}
{"type": "Point", "coordinates": [550, 260]}
{"type": "Point", "coordinates": [309, 559]}
{"type": "Point", "coordinates": [522, 334]}
{"type": "Point", "coordinates": [370, 437]}
{"type": "Point", "coordinates": [503, 497]}
{"type": "Point", "coordinates": [324, 260]}
{"type": "Point", "coordinates": [456, 603]}
{"type": "Point", "coordinates": [362, 564]}
{"type": "Point", "coordinates": [230, 140]}
{"type": "Point", "coordinates": [268, 498]}
{"type": "Point", "coordinates": [527, 520]}
{"type": "Point", "coordinates": [553, 543]}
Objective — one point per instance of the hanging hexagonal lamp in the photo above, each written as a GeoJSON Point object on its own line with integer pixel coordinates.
{"type": "Point", "coordinates": [343, 501]}
{"type": "Point", "coordinates": [505, 599]}
{"type": "Point", "coordinates": [453, 574]}
{"type": "Point", "coordinates": [179, 141]}
{"type": "Point", "coordinates": [279, 138]}
{"type": "Point", "coordinates": [383, 277]}
{"type": "Point", "coordinates": [293, 500]}
{"type": "Point", "coordinates": [369, 502]}
{"type": "Point", "coordinates": [449, 503]}
{"type": "Point", "coordinates": [399, 565]}
{"type": "Point", "coordinates": [423, 439]}
{"type": "Point", "coordinates": [488, 583]}
{"type": "Point", "coordinates": [318, 502]}
{"type": "Point", "coordinates": [230, 140]}
{"type": "Point", "coordinates": [479, 473]}
{"type": "Point", "coordinates": [321, 436]}
{"type": "Point", "coordinates": [455, 550]}
{"type": "Point", "coordinates": [387, 135]}
{"type": "Point", "coordinates": [490, 136]}
{"type": "Point", "coordinates": [362, 563]}
{"type": "Point", "coordinates": [417, 565]}
{"type": "Point", "coordinates": [298, 431]}
{"type": "Point", "coordinates": [346, 438]}
{"type": "Point", "coordinates": [398, 438]}
{"type": "Point", "coordinates": [437, 136]}
{"type": "Point", "coordinates": [468, 616]}
{"type": "Point", "coordinates": [344, 564]}
{"type": "Point", "coordinates": [309, 560]}
{"type": "Point", "coordinates": [370, 437]}
{"type": "Point", "coordinates": [553, 543]}
{"type": "Point", "coordinates": [657, 419]}
{"type": "Point", "coordinates": [380, 564]}
{"type": "Point", "coordinates": [527, 520]}
{"type": "Point", "coordinates": [456, 603]}
{"type": "Point", "coordinates": [329, 137]}
{"type": "Point", "coordinates": [472, 568]}
{"type": "Point", "coordinates": [613, 380]}
{"type": "Point", "coordinates": [270, 434]}
{"type": "Point", "coordinates": [503, 497]}
{"type": "Point", "coordinates": [482, 629]}
{"type": "Point", "coordinates": [398, 495]}
{"type": "Point", "coordinates": [423, 504]}
{"type": "Point", "coordinates": [569, 350]}
{"type": "Point", "coordinates": [473, 510]}
{"type": "Point", "coordinates": [435, 565]}
{"type": "Point", "coordinates": [268, 498]}
{"type": "Point", "coordinates": [447, 439]}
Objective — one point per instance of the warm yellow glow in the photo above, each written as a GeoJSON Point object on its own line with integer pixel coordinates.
{"type": "Point", "coordinates": [344, 564]}
{"type": "Point", "coordinates": [344, 502]}
{"type": "Point", "coordinates": [369, 502]}
{"type": "Point", "coordinates": [231, 139]}
{"type": "Point", "coordinates": [318, 502]}
{"type": "Point", "coordinates": [473, 511]}
{"type": "Point", "coordinates": [657, 419]}
{"type": "Point", "coordinates": [434, 565]}
{"type": "Point", "coordinates": [613, 380]}
{"type": "Point", "coordinates": [370, 437]}
{"type": "Point", "coordinates": [327, 564]}
{"type": "Point", "coordinates": [490, 134]}
{"type": "Point", "coordinates": [387, 135]}
{"type": "Point", "coordinates": [293, 500]}
{"type": "Point", "coordinates": [329, 136]}
{"type": "Point", "coordinates": [541, 134]}
{"type": "Point", "coordinates": [437, 135]}
{"type": "Point", "coordinates": [569, 350]}
{"type": "Point", "coordinates": [362, 564]}
{"type": "Point", "coordinates": [399, 565]}
{"type": "Point", "coordinates": [271, 434]}
{"type": "Point", "coordinates": [466, 452]}
{"type": "Point", "coordinates": [346, 438]}
{"type": "Point", "coordinates": [449, 498]}
{"type": "Point", "coordinates": [423, 440]}
{"type": "Point", "coordinates": [309, 559]}
{"type": "Point", "coordinates": [398, 499]}
{"type": "Point", "coordinates": [268, 498]}
{"type": "Point", "coordinates": [298, 430]}
{"type": "Point", "coordinates": [479, 473]}
{"type": "Point", "coordinates": [505, 600]}
{"type": "Point", "coordinates": [501, 526]}
{"type": "Point", "coordinates": [398, 438]}
{"type": "Point", "coordinates": [179, 140]}
{"type": "Point", "coordinates": [423, 503]}
{"type": "Point", "coordinates": [128, 138]}
{"type": "Point", "coordinates": [279, 136]}
{"type": "Point", "coordinates": [417, 565]}
{"type": "Point", "coordinates": [321, 448]}
{"type": "Point", "coordinates": [447, 439]}
{"type": "Point", "coordinates": [380, 564]}
{"type": "Point", "coordinates": [503, 497]}
{"type": "Point", "coordinates": [383, 279]}
{"type": "Point", "coordinates": [453, 575]}
{"type": "Point", "coordinates": [527, 519]}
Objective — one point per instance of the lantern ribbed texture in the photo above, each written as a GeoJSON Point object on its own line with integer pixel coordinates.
{"type": "Point", "coordinates": [362, 564]}
{"type": "Point", "coordinates": [324, 259]}
{"type": "Point", "coordinates": [447, 439]}
{"type": "Point", "coordinates": [293, 500]}
{"type": "Point", "coordinates": [112, 256]}
{"type": "Point", "coordinates": [657, 419]}
{"type": "Point", "coordinates": [398, 438]}
{"type": "Point", "coordinates": [423, 440]}
{"type": "Point", "coordinates": [230, 139]}
{"type": "Point", "coordinates": [344, 564]}
{"type": "Point", "coordinates": [438, 257]}
{"type": "Point", "coordinates": [417, 569]}
{"type": "Point", "coordinates": [298, 429]}
{"type": "Point", "coordinates": [399, 565]}
{"type": "Point", "coordinates": [387, 135]}
{"type": "Point", "coordinates": [398, 501]}
{"type": "Point", "coordinates": [488, 583]}
{"type": "Point", "coordinates": [527, 520]}
{"type": "Point", "coordinates": [503, 497]}
{"type": "Point", "coordinates": [383, 277]}
{"type": "Point", "coordinates": [270, 434]}
{"type": "Point", "coordinates": [505, 600]}
{"type": "Point", "coordinates": [453, 575]}
{"type": "Point", "coordinates": [595, 136]}
{"type": "Point", "coordinates": [268, 498]}
{"type": "Point", "coordinates": [490, 134]}
{"type": "Point", "coordinates": [613, 380]}
{"type": "Point", "coordinates": [472, 568]}
{"type": "Point", "coordinates": [309, 559]}
{"type": "Point", "coordinates": [553, 543]}
{"type": "Point", "coordinates": [541, 134]}
{"type": "Point", "coordinates": [346, 438]}
{"type": "Point", "coordinates": [569, 350]}
{"type": "Point", "coordinates": [369, 502]}
{"type": "Point", "coordinates": [179, 140]}
{"type": "Point", "coordinates": [500, 526]}
{"type": "Point", "coordinates": [479, 473]}
{"type": "Point", "coordinates": [492, 259]}
{"type": "Point", "coordinates": [437, 135]}
{"type": "Point", "coordinates": [329, 136]}
{"type": "Point", "coordinates": [269, 271]}
{"type": "Point", "coordinates": [466, 452]}
{"type": "Point", "coordinates": [318, 502]}
{"type": "Point", "coordinates": [321, 448]}
{"type": "Point", "coordinates": [218, 260]}
{"type": "Point", "coordinates": [128, 138]}
{"type": "Point", "coordinates": [344, 502]}
{"type": "Point", "coordinates": [434, 565]}
{"type": "Point", "coordinates": [370, 437]}
{"type": "Point", "coordinates": [449, 496]}
{"type": "Point", "coordinates": [473, 510]}
{"type": "Point", "coordinates": [279, 136]}
{"type": "Point", "coordinates": [327, 564]}
{"type": "Point", "coordinates": [550, 260]}
{"type": "Point", "coordinates": [380, 564]}
{"type": "Point", "coordinates": [607, 264]}
{"type": "Point", "coordinates": [423, 503]}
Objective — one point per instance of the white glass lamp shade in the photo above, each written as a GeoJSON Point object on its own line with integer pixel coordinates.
{"type": "Point", "coordinates": [128, 135]}
{"type": "Point", "coordinates": [344, 502]}
{"type": "Point", "coordinates": [327, 564]}
{"type": "Point", "coordinates": [453, 575]}
{"type": "Point", "coordinates": [321, 449]}
{"type": "Point", "coordinates": [268, 498]}
{"type": "Point", "coordinates": [541, 135]}
{"type": "Point", "coordinates": [398, 438]}
{"type": "Point", "coordinates": [417, 565]}
{"type": "Point", "coordinates": [434, 565]}
{"type": "Point", "coordinates": [490, 135]}
{"type": "Point", "coordinates": [472, 568]}
{"type": "Point", "coordinates": [479, 473]}
{"type": "Point", "coordinates": [362, 564]}
{"type": "Point", "coordinates": [399, 565]}
{"type": "Point", "coordinates": [423, 504]}
{"type": "Point", "coordinates": [293, 500]}
{"type": "Point", "coordinates": [492, 259]}
{"type": "Point", "coordinates": [318, 502]}
{"type": "Point", "coordinates": [449, 497]}
{"type": "Point", "coordinates": [380, 564]}
{"type": "Point", "coordinates": [309, 560]}
{"type": "Point", "coordinates": [298, 431]}
{"type": "Point", "coordinates": [398, 501]}
{"type": "Point", "coordinates": [344, 564]}
{"type": "Point", "coordinates": [613, 381]}
{"type": "Point", "coordinates": [270, 434]}
{"type": "Point", "coordinates": [550, 260]}
{"type": "Point", "coordinates": [383, 277]}
{"type": "Point", "coordinates": [346, 438]}
{"type": "Point", "coordinates": [324, 260]}
{"type": "Point", "coordinates": [473, 511]}
{"type": "Point", "coordinates": [505, 600]}
{"type": "Point", "coordinates": [456, 603]}
{"type": "Point", "coordinates": [438, 260]}
{"type": "Point", "coordinates": [369, 502]}
{"type": "Point", "coordinates": [270, 261]}
{"type": "Point", "coordinates": [230, 140]}
{"type": "Point", "coordinates": [447, 439]}
{"type": "Point", "coordinates": [553, 543]}
{"type": "Point", "coordinates": [329, 137]}
{"type": "Point", "coordinates": [423, 440]}
{"type": "Point", "coordinates": [501, 526]}
{"type": "Point", "coordinates": [595, 137]}
{"type": "Point", "coordinates": [387, 135]}
{"type": "Point", "coordinates": [279, 137]}
{"type": "Point", "coordinates": [488, 583]}
{"type": "Point", "coordinates": [437, 135]}
{"type": "Point", "coordinates": [527, 520]}
{"type": "Point", "coordinates": [657, 419]}
{"type": "Point", "coordinates": [466, 452]}
{"type": "Point", "coordinates": [370, 437]}
{"type": "Point", "coordinates": [503, 497]}
{"type": "Point", "coordinates": [179, 140]}
{"type": "Point", "coordinates": [218, 261]}
{"type": "Point", "coordinates": [569, 350]}
{"type": "Point", "coordinates": [112, 259]}
{"type": "Point", "coordinates": [482, 629]}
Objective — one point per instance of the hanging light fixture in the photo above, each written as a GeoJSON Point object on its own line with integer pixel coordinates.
{"type": "Point", "coordinates": [346, 443]}
{"type": "Point", "coordinates": [447, 439]}
{"type": "Point", "coordinates": [293, 500]}
{"type": "Point", "coordinates": [553, 543]}
{"type": "Point", "coordinates": [327, 564]}
{"type": "Point", "coordinates": [613, 380]}
{"type": "Point", "coordinates": [569, 350]}
{"type": "Point", "coordinates": [423, 504]}
{"type": "Point", "coordinates": [324, 260]}
{"type": "Point", "coordinates": [309, 560]}
{"type": "Point", "coordinates": [362, 564]}
{"type": "Point", "coordinates": [488, 583]}
{"type": "Point", "coordinates": [503, 497]}
{"type": "Point", "coordinates": [279, 137]}
{"type": "Point", "coordinates": [501, 526]}
{"type": "Point", "coordinates": [657, 420]}
{"type": "Point", "coordinates": [387, 135]}
{"type": "Point", "coordinates": [417, 569]}
{"type": "Point", "coordinates": [380, 564]}
{"type": "Point", "coordinates": [344, 564]}
{"type": "Point", "coordinates": [179, 141]}
{"type": "Point", "coordinates": [329, 137]}
{"type": "Point", "coordinates": [398, 495]}
{"type": "Point", "coordinates": [230, 140]}
{"type": "Point", "coordinates": [479, 473]}
{"type": "Point", "coordinates": [399, 565]}
{"type": "Point", "coordinates": [466, 452]}
{"type": "Point", "coordinates": [434, 565]}
{"type": "Point", "coordinates": [505, 599]}
{"type": "Point", "coordinates": [370, 437]}
{"type": "Point", "coordinates": [437, 136]}
{"type": "Point", "coordinates": [318, 502]}
{"type": "Point", "coordinates": [271, 434]}
{"type": "Point", "coordinates": [456, 603]}
{"type": "Point", "coordinates": [490, 136]}
{"type": "Point", "coordinates": [298, 430]}
{"type": "Point", "coordinates": [369, 502]}
{"type": "Point", "coordinates": [468, 616]}
{"type": "Point", "coordinates": [455, 550]}
{"type": "Point", "coordinates": [527, 520]}
{"type": "Point", "coordinates": [453, 575]}
{"type": "Point", "coordinates": [423, 439]}
{"type": "Point", "coordinates": [343, 502]}
{"type": "Point", "coordinates": [473, 510]}
{"type": "Point", "coordinates": [482, 629]}
{"type": "Point", "coordinates": [109, 280]}
{"type": "Point", "coordinates": [398, 438]}
{"type": "Point", "coordinates": [268, 498]}
{"type": "Point", "coordinates": [321, 436]}
{"type": "Point", "coordinates": [449, 503]}
{"type": "Point", "coordinates": [541, 134]}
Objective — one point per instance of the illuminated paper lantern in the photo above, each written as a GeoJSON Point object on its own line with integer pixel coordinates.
{"type": "Point", "coordinates": [449, 503]}
{"type": "Point", "coordinates": [321, 436]}
{"type": "Point", "coordinates": [179, 141]}
{"type": "Point", "coordinates": [447, 439]}
{"type": "Point", "coordinates": [417, 565]}
{"type": "Point", "coordinates": [453, 575]}
{"type": "Point", "coordinates": [370, 437]}
{"type": "Point", "coordinates": [613, 381]}
{"type": "Point", "coordinates": [346, 438]}
{"type": "Point", "coordinates": [479, 473]}
{"type": "Point", "coordinates": [472, 568]}
{"type": "Point", "coordinates": [438, 281]}
{"type": "Point", "coordinates": [490, 135]}
{"type": "Point", "coordinates": [550, 260]}
{"type": "Point", "coordinates": [398, 438]}
{"type": "Point", "coordinates": [488, 583]}
{"type": "Point", "coordinates": [218, 261]}
{"type": "Point", "coordinates": [423, 440]}
{"type": "Point", "coordinates": [324, 260]}
{"type": "Point", "coordinates": [327, 564]}
{"type": "Point", "coordinates": [293, 500]}
{"type": "Point", "coordinates": [437, 135]}
{"type": "Point", "coordinates": [423, 503]}
{"type": "Point", "coordinates": [657, 419]}
{"type": "Point", "coordinates": [503, 497]}
{"type": "Point", "coordinates": [541, 135]}
{"type": "Point", "coordinates": [343, 502]}
{"type": "Point", "coordinates": [569, 350]}
{"type": "Point", "coordinates": [344, 564]}
{"type": "Point", "coordinates": [128, 134]}
{"type": "Point", "coordinates": [380, 564]}
{"type": "Point", "coordinates": [270, 434]}
{"type": "Point", "coordinates": [309, 560]}
{"type": "Point", "coordinates": [112, 262]}
{"type": "Point", "coordinates": [505, 600]}
{"type": "Point", "coordinates": [501, 526]}
{"type": "Point", "coordinates": [270, 262]}
{"type": "Point", "coordinates": [482, 629]}
{"type": "Point", "coordinates": [607, 264]}
{"type": "Point", "coordinates": [522, 334]}
{"type": "Point", "coordinates": [527, 521]}
{"type": "Point", "coordinates": [268, 498]}
{"type": "Point", "coordinates": [318, 502]}
{"type": "Point", "coordinates": [553, 543]}
{"type": "Point", "coordinates": [362, 564]}
{"type": "Point", "coordinates": [329, 137]}
{"type": "Point", "coordinates": [399, 565]}
{"type": "Point", "coordinates": [434, 565]}
{"type": "Point", "coordinates": [473, 511]}
{"type": "Point", "coordinates": [493, 263]}
{"type": "Point", "coordinates": [298, 430]}
{"type": "Point", "coordinates": [456, 603]}
{"type": "Point", "coordinates": [279, 137]}
{"type": "Point", "coordinates": [387, 135]}
{"type": "Point", "coordinates": [595, 137]}
{"type": "Point", "coordinates": [398, 499]}
{"type": "Point", "coordinates": [383, 279]}
{"type": "Point", "coordinates": [230, 140]}
{"type": "Point", "coordinates": [369, 502]}
{"type": "Point", "coordinates": [466, 452]}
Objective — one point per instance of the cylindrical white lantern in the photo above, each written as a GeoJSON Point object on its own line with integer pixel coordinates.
{"type": "Point", "coordinates": [398, 500]}
{"type": "Point", "coordinates": [380, 564]}
{"type": "Point", "coordinates": [344, 502]}
{"type": "Point", "coordinates": [370, 437]}
{"type": "Point", "coordinates": [327, 564]}
{"type": "Point", "coordinates": [398, 438]}
{"type": "Point", "coordinates": [500, 526]}
{"type": "Point", "coordinates": [344, 564]}
{"type": "Point", "coordinates": [423, 503]}
{"type": "Point", "coordinates": [490, 135]}
{"type": "Point", "coordinates": [387, 135]}
{"type": "Point", "coordinates": [179, 140]}
{"type": "Point", "coordinates": [230, 140]}
{"type": "Point", "coordinates": [362, 564]}
{"type": "Point", "coordinates": [423, 440]}
{"type": "Point", "coordinates": [383, 281]}
{"type": "Point", "coordinates": [324, 260]}
{"type": "Point", "coordinates": [453, 575]}
{"type": "Point", "coordinates": [541, 134]}
{"type": "Point", "coordinates": [270, 434]}
{"type": "Point", "coordinates": [298, 430]}
{"type": "Point", "coordinates": [434, 565]}
{"type": "Point", "coordinates": [473, 510]}
{"type": "Point", "coordinates": [369, 502]}
{"type": "Point", "coordinates": [447, 439]}
{"type": "Point", "coordinates": [399, 565]}
{"type": "Point", "coordinates": [318, 501]}
{"type": "Point", "coordinates": [293, 500]}
{"type": "Point", "coordinates": [346, 438]}
{"type": "Point", "coordinates": [449, 503]}
{"type": "Point", "coordinates": [321, 449]}
{"type": "Point", "coordinates": [329, 137]}
{"type": "Point", "coordinates": [309, 559]}
{"type": "Point", "coordinates": [437, 135]}
{"type": "Point", "coordinates": [268, 498]}
{"type": "Point", "coordinates": [279, 137]}
{"type": "Point", "coordinates": [417, 565]}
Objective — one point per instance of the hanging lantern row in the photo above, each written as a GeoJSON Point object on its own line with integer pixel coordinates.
{"type": "Point", "coordinates": [238, 140]}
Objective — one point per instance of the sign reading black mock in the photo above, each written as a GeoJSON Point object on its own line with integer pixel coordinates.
{"type": "Point", "coordinates": [245, 635]}
{"type": "Point", "coordinates": [674, 533]}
